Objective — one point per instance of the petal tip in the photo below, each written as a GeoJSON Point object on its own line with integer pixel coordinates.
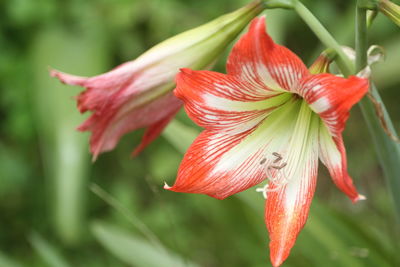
{"type": "Point", "coordinates": [52, 72]}
{"type": "Point", "coordinates": [358, 198]}
{"type": "Point", "coordinates": [277, 260]}
{"type": "Point", "coordinates": [185, 71]}
{"type": "Point", "coordinates": [56, 74]}
{"type": "Point", "coordinates": [94, 158]}
{"type": "Point", "coordinates": [67, 78]}
{"type": "Point", "coordinates": [166, 186]}
{"type": "Point", "coordinates": [137, 151]}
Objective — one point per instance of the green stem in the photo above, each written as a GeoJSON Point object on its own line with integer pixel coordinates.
{"type": "Point", "coordinates": [388, 151]}
{"type": "Point", "coordinates": [269, 4]}
{"type": "Point", "coordinates": [361, 39]}
{"type": "Point", "coordinates": [325, 37]}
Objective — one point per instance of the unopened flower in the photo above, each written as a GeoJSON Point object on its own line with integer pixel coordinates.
{"type": "Point", "coordinates": [390, 10]}
{"type": "Point", "coordinates": [138, 94]}
{"type": "Point", "coordinates": [322, 63]}
{"type": "Point", "coordinates": [267, 118]}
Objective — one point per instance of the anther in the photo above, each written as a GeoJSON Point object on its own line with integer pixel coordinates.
{"type": "Point", "coordinates": [279, 167]}
{"type": "Point", "coordinates": [278, 157]}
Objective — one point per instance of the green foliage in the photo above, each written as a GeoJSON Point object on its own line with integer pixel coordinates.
{"type": "Point", "coordinates": [49, 215]}
{"type": "Point", "coordinates": [47, 252]}
{"type": "Point", "coordinates": [134, 250]}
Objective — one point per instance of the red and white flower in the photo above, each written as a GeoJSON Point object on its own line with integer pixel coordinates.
{"type": "Point", "coordinates": [138, 94]}
{"type": "Point", "coordinates": [267, 118]}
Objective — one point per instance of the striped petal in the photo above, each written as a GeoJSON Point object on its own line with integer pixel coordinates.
{"type": "Point", "coordinates": [100, 88]}
{"type": "Point", "coordinates": [289, 198]}
{"type": "Point", "coordinates": [332, 98]}
{"type": "Point", "coordinates": [108, 127]}
{"type": "Point", "coordinates": [220, 164]}
{"type": "Point", "coordinates": [222, 102]}
{"type": "Point", "coordinates": [333, 155]}
{"type": "Point", "coordinates": [257, 59]}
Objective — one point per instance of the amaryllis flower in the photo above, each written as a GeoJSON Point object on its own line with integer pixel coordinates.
{"type": "Point", "coordinates": [138, 94]}
{"type": "Point", "coordinates": [267, 118]}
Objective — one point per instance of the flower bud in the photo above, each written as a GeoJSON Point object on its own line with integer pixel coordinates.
{"type": "Point", "coordinates": [321, 64]}
{"type": "Point", "coordinates": [138, 93]}
{"type": "Point", "coordinates": [390, 10]}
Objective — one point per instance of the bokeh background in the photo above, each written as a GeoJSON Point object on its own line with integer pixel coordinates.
{"type": "Point", "coordinates": [59, 209]}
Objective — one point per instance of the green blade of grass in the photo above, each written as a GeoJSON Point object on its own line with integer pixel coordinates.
{"type": "Point", "coordinates": [6, 261]}
{"type": "Point", "coordinates": [64, 150]}
{"type": "Point", "coordinates": [47, 252]}
{"type": "Point", "coordinates": [134, 250]}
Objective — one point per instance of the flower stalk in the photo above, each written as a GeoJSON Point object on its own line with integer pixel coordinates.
{"type": "Point", "coordinates": [387, 149]}
{"type": "Point", "coordinates": [325, 37]}
{"type": "Point", "coordinates": [287, 4]}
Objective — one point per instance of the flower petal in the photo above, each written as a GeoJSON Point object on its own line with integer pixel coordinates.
{"type": "Point", "coordinates": [220, 164]}
{"type": "Point", "coordinates": [289, 198]}
{"type": "Point", "coordinates": [101, 87]}
{"type": "Point", "coordinates": [332, 97]}
{"type": "Point", "coordinates": [222, 102]}
{"type": "Point", "coordinates": [154, 130]}
{"type": "Point", "coordinates": [257, 59]}
{"type": "Point", "coordinates": [107, 127]}
{"type": "Point", "coordinates": [333, 154]}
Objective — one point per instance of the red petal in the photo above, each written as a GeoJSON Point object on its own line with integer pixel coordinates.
{"type": "Point", "coordinates": [101, 87]}
{"type": "Point", "coordinates": [287, 206]}
{"type": "Point", "coordinates": [68, 78]}
{"type": "Point", "coordinates": [124, 99]}
{"type": "Point", "coordinates": [257, 59]}
{"type": "Point", "coordinates": [333, 154]}
{"type": "Point", "coordinates": [107, 127]}
{"type": "Point", "coordinates": [284, 223]}
{"type": "Point", "coordinates": [332, 97]}
{"type": "Point", "coordinates": [222, 102]}
{"type": "Point", "coordinates": [220, 164]}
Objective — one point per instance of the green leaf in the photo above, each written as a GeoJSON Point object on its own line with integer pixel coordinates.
{"type": "Point", "coordinates": [180, 135]}
{"type": "Point", "coordinates": [6, 261]}
{"type": "Point", "coordinates": [133, 249]}
{"type": "Point", "coordinates": [49, 254]}
{"type": "Point", "coordinates": [64, 150]}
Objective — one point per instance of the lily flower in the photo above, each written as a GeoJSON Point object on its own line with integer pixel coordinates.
{"type": "Point", "coordinates": [138, 94]}
{"type": "Point", "coordinates": [270, 119]}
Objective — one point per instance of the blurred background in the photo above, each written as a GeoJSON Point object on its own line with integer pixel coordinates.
{"type": "Point", "coordinates": [59, 209]}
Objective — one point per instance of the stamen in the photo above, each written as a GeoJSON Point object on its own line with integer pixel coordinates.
{"type": "Point", "coordinates": [276, 175]}
{"type": "Point", "coordinates": [279, 157]}
{"type": "Point", "coordinates": [278, 167]}
{"type": "Point", "coordinates": [263, 190]}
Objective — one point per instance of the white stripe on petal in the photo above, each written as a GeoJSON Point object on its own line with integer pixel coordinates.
{"type": "Point", "coordinates": [322, 104]}
{"type": "Point", "coordinates": [271, 136]}
{"type": "Point", "coordinates": [225, 104]}
{"type": "Point", "coordinates": [329, 154]}
{"type": "Point", "coordinates": [267, 79]}
{"type": "Point", "coordinates": [303, 143]}
{"type": "Point", "coordinates": [287, 205]}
